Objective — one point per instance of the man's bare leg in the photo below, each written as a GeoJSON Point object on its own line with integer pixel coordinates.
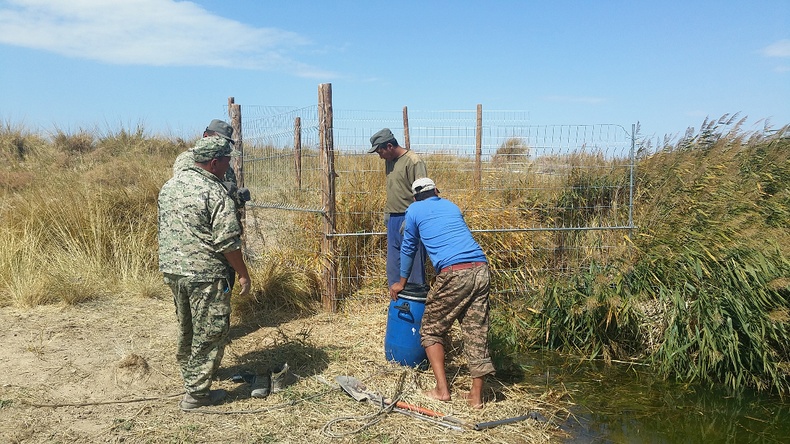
{"type": "Point", "coordinates": [435, 354]}
{"type": "Point", "coordinates": [475, 396]}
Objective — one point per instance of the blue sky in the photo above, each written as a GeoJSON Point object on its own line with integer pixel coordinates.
{"type": "Point", "coordinates": [171, 65]}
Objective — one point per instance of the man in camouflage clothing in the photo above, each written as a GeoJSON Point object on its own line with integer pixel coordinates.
{"type": "Point", "coordinates": [460, 290]}
{"type": "Point", "coordinates": [199, 248]}
{"type": "Point", "coordinates": [186, 160]}
{"type": "Point", "coordinates": [219, 128]}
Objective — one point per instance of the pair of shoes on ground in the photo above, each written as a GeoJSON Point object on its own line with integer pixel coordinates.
{"type": "Point", "coordinates": [194, 401]}
{"type": "Point", "coordinates": [272, 382]}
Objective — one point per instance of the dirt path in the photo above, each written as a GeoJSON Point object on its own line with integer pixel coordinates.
{"type": "Point", "coordinates": [106, 372]}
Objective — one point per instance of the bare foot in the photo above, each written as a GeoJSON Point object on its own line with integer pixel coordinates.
{"type": "Point", "coordinates": [436, 394]}
{"type": "Point", "coordinates": [476, 402]}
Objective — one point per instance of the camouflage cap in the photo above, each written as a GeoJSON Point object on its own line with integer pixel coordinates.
{"type": "Point", "coordinates": [212, 147]}
{"type": "Point", "coordinates": [221, 128]}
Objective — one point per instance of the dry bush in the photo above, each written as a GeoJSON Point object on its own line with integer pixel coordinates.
{"type": "Point", "coordinates": [514, 149]}
{"type": "Point", "coordinates": [82, 232]}
{"type": "Point", "coordinates": [278, 286]}
{"type": "Point", "coordinates": [17, 143]}
{"type": "Point", "coordinates": [80, 142]}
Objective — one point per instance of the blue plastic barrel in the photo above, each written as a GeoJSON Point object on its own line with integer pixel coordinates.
{"type": "Point", "coordinates": [402, 340]}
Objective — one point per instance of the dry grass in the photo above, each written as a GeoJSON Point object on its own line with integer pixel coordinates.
{"type": "Point", "coordinates": [105, 371]}
{"type": "Point", "coordinates": [78, 236]}
{"type": "Point", "coordinates": [79, 220]}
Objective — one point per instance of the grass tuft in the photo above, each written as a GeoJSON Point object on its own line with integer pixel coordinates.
{"type": "Point", "coordinates": [281, 287]}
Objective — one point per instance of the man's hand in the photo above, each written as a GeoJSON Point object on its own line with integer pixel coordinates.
{"type": "Point", "coordinates": [396, 288]}
{"type": "Point", "coordinates": [245, 284]}
{"type": "Point", "coordinates": [237, 262]}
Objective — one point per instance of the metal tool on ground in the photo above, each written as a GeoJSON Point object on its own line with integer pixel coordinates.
{"type": "Point", "coordinates": [489, 424]}
{"type": "Point", "coordinates": [357, 390]}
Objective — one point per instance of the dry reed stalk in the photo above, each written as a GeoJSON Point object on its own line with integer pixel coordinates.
{"type": "Point", "coordinates": [322, 346]}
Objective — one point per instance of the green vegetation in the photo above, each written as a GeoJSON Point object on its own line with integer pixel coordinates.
{"type": "Point", "coordinates": [700, 291]}
{"type": "Point", "coordinates": [703, 292]}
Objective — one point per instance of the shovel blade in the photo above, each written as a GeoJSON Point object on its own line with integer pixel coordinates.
{"type": "Point", "coordinates": [354, 387]}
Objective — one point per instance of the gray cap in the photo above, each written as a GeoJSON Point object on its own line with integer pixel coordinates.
{"type": "Point", "coordinates": [380, 137]}
{"type": "Point", "coordinates": [212, 147]}
{"type": "Point", "coordinates": [221, 128]}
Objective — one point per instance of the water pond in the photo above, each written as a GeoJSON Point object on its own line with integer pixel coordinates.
{"type": "Point", "coordinates": [624, 403]}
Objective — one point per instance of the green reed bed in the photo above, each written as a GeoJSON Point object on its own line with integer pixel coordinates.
{"type": "Point", "coordinates": [702, 292]}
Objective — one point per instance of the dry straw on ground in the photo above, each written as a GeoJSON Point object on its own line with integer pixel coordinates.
{"type": "Point", "coordinates": [105, 372]}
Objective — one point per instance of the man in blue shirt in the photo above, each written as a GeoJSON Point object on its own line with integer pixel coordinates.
{"type": "Point", "coordinates": [460, 290]}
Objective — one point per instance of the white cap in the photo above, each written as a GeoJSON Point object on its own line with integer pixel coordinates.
{"type": "Point", "coordinates": [422, 184]}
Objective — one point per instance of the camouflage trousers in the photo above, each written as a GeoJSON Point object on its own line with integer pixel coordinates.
{"type": "Point", "coordinates": [460, 295]}
{"type": "Point", "coordinates": [203, 312]}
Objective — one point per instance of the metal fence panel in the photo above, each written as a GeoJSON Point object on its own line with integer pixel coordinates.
{"type": "Point", "coordinates": [542, 200]}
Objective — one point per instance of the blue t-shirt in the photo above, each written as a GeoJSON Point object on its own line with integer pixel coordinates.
{"type": "Point", "coordinates": [439, 224]}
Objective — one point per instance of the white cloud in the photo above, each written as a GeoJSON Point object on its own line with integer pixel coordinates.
{"type": "Point", "coordinates": [777, 49]}
{"type": "Point", "coordinates": [148, 32]}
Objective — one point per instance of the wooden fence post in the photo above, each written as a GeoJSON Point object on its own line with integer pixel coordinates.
{"type": "Point", "coordinates": [329, 265]}
{"type": "Point", "coordinates": [406, 138]}
{"type": "Point", "coordinates": [479, 148]}
{"type": "Point", "coordinates": [298, 151]}
{"type": "Point", "coordinates": [234, 112]}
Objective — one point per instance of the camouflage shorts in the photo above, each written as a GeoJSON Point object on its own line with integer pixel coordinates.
{"type": "Point", "coordinates": [461, 295]}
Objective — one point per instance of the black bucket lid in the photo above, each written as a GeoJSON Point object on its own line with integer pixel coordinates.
{"type": "Point", "coordinates": [414, 292]}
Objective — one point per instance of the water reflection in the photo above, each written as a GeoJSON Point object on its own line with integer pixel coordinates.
{"type": "Point", "coordinates": [624, 403]}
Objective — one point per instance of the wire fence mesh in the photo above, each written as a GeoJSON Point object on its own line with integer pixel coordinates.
{"type": "Point", "coordinates": [542, 200]}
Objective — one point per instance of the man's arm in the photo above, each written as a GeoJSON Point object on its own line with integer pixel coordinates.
{"type": "Point", "coordinates": [408, 248]}
{"type": "Point", "coordinates": [416, 171]}
{"type": "Point", "coordinates": [420, 170]}
{"type": "Point", "coordinates": [236, 261]}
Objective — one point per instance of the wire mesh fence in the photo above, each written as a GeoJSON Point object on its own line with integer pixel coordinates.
{"type": "Point", "coordinates": [542, 200]}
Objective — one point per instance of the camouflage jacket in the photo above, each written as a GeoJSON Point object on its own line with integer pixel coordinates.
{"type": "Point", "coordinates": [197, 224]}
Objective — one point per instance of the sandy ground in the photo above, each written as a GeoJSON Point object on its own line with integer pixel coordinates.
{"type": "Point", "coordinates": [106, 372]}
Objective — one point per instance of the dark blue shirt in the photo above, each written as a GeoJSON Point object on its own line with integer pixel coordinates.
{"type": "Point", "coordinates": [439, 224]}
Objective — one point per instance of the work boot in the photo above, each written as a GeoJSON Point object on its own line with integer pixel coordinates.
{"type": "Point", "coordinates": [281, 378]}
{"type": "Point", "coordinates": [261, 386]}
{"type": "Point", "coordinates": [213, 397]}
